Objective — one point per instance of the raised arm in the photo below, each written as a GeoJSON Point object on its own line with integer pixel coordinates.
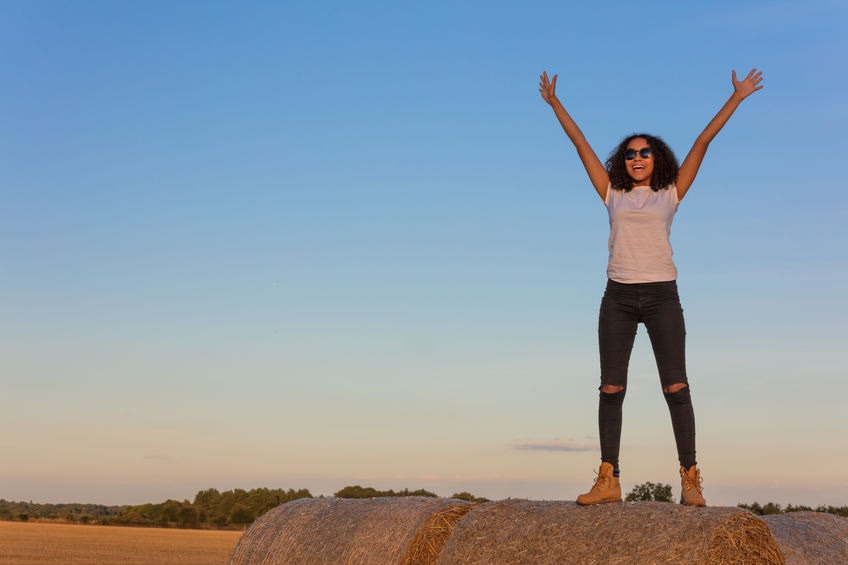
{"type": "Point", "coordinates": [597, 174]}
{"type": "Point", "coordinates": [689, 168]}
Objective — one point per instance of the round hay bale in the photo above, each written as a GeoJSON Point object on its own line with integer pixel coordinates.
{"type": "Point", "coordinates": [534, 532]}
{"type": "Point", "coordinates": [409, 530]}
{"type": "Point", "coordinates": [807, 538]}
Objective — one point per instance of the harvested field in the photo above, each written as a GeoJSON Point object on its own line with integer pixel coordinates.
{"type": "Point", "coordinates": [808, 538]}
{"type": "Point", "coordinates": [524, 531]}
{"type": "Point", "coordinates": [31, 543]}
{"type": "Point", "coordinates": [404, 530]}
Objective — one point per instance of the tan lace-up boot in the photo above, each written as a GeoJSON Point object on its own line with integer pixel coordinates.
{"type": "Point", "coordinates": [605, 489]}
{"type": "Point", "coordinates": [690, 481]}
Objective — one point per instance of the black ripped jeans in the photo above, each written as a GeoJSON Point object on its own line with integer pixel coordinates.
{"type": "Point", "coordinates": [657, 305]}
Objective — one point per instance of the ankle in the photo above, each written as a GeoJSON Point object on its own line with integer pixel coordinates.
{"type": "Point", "coordinates": [616, 472]}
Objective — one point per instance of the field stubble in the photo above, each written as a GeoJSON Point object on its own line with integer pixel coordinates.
{"type": "Point", "coordinates": [30, 543]}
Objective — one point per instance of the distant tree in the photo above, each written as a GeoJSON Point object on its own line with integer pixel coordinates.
{"type": "Point", "coordinates": [261, 500]}
{"type": "Point", "coordinates": [357, 491]}
{"type": "Point", "coordinates": [207, 499]}
{"type": "Point", "coordinates": [658, 492]}
{"type": "Point", "coordinates": [772, 508]}
{"type": "Point", "coordinates": [419, 492]}
{"type": "Point", "coordinates": [469, 497]}
{"type": "Point", "coordinates": [219, 520]}
{"type": "Point", "coordinates": [793, 508]}
{"type": "Point", "coordinates": [228, 500]}
{"type": "Point", "coordinates": [754, 508]}
{"type": "Point", "coordinates": [132, 516]}
{"type": "Point", "coordinates": [240, 514]}
{"type": "Point", "coordinates": [292, 494]}
{"type": "Point", "coordinates": [187, 515]}
{"type": "Point", "coordinates": [170, 511]}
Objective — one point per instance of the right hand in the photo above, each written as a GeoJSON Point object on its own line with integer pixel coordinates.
{"type": "Point", "coordinates": [747, 85]}
{"type": "Point", "coordinates": [547, 87]}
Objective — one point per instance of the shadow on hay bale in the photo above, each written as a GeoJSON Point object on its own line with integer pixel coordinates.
{"type": "Point", "coordinates": [408, 530]}
{"type": "Point", "coordinates": [810, 537]}
{"type": "Point", "coordinates": [533, 532]}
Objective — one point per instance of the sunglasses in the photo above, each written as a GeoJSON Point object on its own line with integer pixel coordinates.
{"type": "Point", "coordinates": [645, 152]}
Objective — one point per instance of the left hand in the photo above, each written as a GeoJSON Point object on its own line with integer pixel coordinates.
{"type": "Point", "coordinates": [749, 84]}
{"type": "Point", "coordinates": [547, 87]}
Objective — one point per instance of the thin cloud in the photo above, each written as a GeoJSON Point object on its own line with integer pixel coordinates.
{"type": "Point", "coordinates": [554, 445]}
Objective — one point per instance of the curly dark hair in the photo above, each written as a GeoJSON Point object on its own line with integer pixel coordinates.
{"type": "Point", "coordinates": [665, 164]}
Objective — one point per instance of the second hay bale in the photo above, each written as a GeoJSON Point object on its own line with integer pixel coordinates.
{"type": "Point", "coordinates": [538, 532]}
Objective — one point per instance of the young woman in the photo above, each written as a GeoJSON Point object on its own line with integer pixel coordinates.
{"type": "Point", "coordinates": [642, 186]}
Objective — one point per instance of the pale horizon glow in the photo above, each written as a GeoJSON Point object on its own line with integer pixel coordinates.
{"type": "Point", "coordinates": [331, 244]}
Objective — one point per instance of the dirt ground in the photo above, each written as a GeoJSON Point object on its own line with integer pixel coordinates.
{"type": "Point", "coordinates": [30, 543]}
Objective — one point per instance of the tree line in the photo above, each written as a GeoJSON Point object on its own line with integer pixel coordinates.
{"type": "Point", "coordinates": [83, 513]}
{"type": "Point", "coordinates": [774, 508]}
{"type": "Point", "coordinates": [662, 493]}
{"type": "Point", "coordinates": [368, 492]}
{"type": "Point", "coordinates": [210, 508]}
{"type": "Point", "coordinates": [236, 508]}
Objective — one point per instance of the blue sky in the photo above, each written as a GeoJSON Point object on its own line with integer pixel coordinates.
{"type": "Point", "coordinates": [319, 244]}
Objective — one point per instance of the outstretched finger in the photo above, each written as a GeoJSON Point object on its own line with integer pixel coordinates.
{"type": "Point", "coordinates": [754, 70]}
{"type": "Point", "coordinates": [553, 82]}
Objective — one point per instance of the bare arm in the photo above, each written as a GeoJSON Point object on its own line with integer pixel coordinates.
{"type": "Point", "coordinates": [597, 174]}
{"type": "Point", "coordinates": [689, 168]}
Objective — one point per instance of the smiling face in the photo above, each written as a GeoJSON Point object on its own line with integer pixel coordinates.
{"type": "Point", "coordinates": [640, 168]}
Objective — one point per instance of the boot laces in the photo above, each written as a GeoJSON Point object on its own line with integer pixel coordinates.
{"type": "Point", "coordinates": [600, 480]}
{"type": "Point", "coordinates": [690, 482]}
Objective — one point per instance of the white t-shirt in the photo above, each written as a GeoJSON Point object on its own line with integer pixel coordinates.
{"type": "Point", "coordinates": [640, 226]}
